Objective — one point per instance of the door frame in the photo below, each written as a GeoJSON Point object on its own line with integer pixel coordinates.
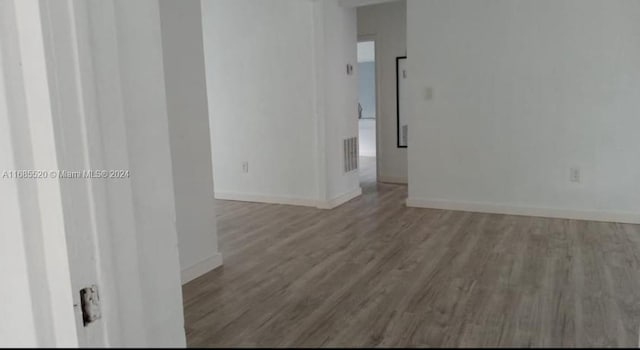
{"type": "Point", "coordinates": [52, 82]}
{"type": "Point", "coordinates": [398, 101]}
{"type": "Point", "coordinates": [365, 38]}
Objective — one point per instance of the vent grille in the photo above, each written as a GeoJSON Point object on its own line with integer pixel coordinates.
{"type": "Point", "coordinates": [350, 154]}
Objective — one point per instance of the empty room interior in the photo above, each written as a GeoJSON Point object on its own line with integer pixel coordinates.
{"type": "Point", "coordinates": [320, 173]}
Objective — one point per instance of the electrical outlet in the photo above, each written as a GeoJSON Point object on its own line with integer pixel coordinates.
{"type": "Point", "coordinates": [245, 167]}
{"type": "Point", "coordinates": [574, 174]}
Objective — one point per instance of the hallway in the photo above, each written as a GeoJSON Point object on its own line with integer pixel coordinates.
{"type": "Point", "coordinates": [376, 273]}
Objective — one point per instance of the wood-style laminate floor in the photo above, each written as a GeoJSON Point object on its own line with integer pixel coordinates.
{"type": "Point", "coordinates": [376, 273]}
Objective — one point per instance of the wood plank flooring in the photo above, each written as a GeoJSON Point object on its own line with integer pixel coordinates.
{"type": "Point", "coordinates": [376, 273]}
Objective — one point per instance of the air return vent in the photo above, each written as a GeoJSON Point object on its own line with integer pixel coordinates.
{"type": "Point", "coordinates": [350, 154]}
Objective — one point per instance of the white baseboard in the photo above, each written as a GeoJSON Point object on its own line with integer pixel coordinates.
{"type": "Point", "coordinates": [266, 199]}
{"type": "Point", "coordinates": [591, 215]}
{"type": "Point", "coordinates": [393, 179]}
{"type": "Point", "coordinates": [199, 269]}
{"type": "Point", "coordinates": [329, 204]}
{"type": "Point", "coordinates": [337, 201]}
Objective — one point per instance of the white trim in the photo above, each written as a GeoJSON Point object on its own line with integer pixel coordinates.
{"type": "Point", "coordinates": [199, 269]}
{"type": "Point", "coordinates": [359, 3]}
{"type": "Point", "coordinates": [46, 205]}
{"type": "Point", "coordinates": [321, 204]}
{"type": "Point", "coordinates": [244, 197]}
{"type": "Point", "coordinates": [341, 199]}
{"type": "Point", "coordinates": [319, 99]}
{"type": "Point", "coordinates": [393, 179]}
{"type": "Point", "coordinates": [592, 215]}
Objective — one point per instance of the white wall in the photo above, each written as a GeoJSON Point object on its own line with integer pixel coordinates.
{"type": "Point", "coordinates": [144, 112]}
{"type": "Point", "coordinates": [184, 70]}
{"type": "Point", "coordinates": [387, 23]}
{"type": "Point", "coordinates": [522, 91]}
{"type": "Point", "coordinates": [280, 98]}
{"type": "Point", "coordinates": [367, 87]}
{"type": "Point", "coordinates": [367, 137]}
{"type": "Point", "coordinates": [366, 51]}
{"type": "Point", "coordinates": [260, 87]}
{"type": "Point", "coordinates": [339, 37]}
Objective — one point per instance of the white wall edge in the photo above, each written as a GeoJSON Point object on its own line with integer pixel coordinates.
{"type": "Point", "coordinates": [243, 197]}
{"type": "Point", "coordinates": [199, 269]}
{"type": "Point", "coordinates": [493, 208]}
{"type": "Point", "coordinates": [393, 179]}
{"type": "Point", "coordinates": [341, 199]}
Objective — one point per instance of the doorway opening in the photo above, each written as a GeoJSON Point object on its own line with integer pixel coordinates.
{"type": "Point", "coordinates": [367, 113]}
